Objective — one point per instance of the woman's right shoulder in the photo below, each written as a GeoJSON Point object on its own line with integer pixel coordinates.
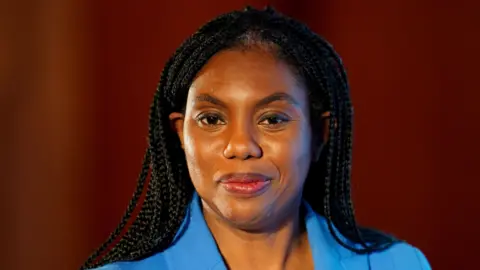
{"type": "Point", "coordinates": [156, 261]}
{"type": "Point", "coordinates": [118, 266]}
{"type": "Point", "coordinates": [113, 266]}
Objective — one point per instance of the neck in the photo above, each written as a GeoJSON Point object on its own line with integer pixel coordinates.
{"type": "Point", "coordinates": [286, 246]}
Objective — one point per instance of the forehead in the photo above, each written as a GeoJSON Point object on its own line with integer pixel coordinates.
{"type": "Point", "coordinates": [247, 74]}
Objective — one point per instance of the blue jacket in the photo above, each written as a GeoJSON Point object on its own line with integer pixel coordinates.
{"type": "Point", "coordinates": [195, 249]}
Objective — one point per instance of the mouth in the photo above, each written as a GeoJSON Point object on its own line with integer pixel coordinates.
{"type": "Point", "coordinates": [245, 184]}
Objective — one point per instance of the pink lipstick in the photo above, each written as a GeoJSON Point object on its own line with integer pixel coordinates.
{"type": "Point", "coordinates": [245, 184]}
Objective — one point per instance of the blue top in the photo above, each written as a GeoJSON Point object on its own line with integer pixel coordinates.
{"type": "Point", "coordinates": [194, 248]}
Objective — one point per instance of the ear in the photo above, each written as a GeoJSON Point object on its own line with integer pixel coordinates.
{"type": "Point", "coordinates": [322, 135]}
{"type": "Point", "coordinates": [176, 123]}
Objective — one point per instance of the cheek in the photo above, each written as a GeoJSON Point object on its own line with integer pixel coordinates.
{"type": "Point", "coordinates": [199, 152]}
{"type": "Point", "coordinates": [291, 153]}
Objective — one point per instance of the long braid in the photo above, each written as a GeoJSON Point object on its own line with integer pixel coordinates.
{"type": "Point", "coordinates": [123, 246]}
{"type": "Point", "coordinates": [142, 179]}
{"type": "Point", "coordinates": [340, 76]}
{"type": "Point", "coordinates": [125, 249]}
{"type": "Point", "coordinates": [169, 190]}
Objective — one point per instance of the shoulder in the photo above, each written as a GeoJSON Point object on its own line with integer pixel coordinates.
{"type": "Point", "coordinates": [402, 256]}
{"type": "Point", "coordinates": [156, 261]}
{"type": "Point", "coordinates": [113, 266]}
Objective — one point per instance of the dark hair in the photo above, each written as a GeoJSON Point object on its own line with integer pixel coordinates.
{"type": "Point", "coordinates": [164, 197]}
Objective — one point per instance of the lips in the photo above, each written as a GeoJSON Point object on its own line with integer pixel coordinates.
{"type": "Point", "coordinates": [245, 184]}
{"type": "Point", "coordinates": [243, 178]}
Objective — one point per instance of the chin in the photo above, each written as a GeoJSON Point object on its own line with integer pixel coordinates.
{"type": "Point", "coordinates": [249, 214]}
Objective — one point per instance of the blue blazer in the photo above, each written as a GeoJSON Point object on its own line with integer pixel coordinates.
{"type": "Point", "coordinates": [194, 248]}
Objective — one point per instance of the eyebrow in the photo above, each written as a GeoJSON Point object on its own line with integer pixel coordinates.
{"type": "Point", "coordinates": [279, 96]}
{"type": "Point", "coordinates": [210, 99]}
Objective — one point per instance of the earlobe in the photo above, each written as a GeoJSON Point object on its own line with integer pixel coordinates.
{"type": "Point", "coordinates": [176, 123]}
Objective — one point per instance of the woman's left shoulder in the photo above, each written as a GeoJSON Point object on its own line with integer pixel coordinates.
{"type": "Point", "coordinates": [401, 256]}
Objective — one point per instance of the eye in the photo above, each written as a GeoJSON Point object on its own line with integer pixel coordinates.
{"type": "Point", "coordinates": [274, 120]}
{"type": "Point", "coordinates": [210, 119]}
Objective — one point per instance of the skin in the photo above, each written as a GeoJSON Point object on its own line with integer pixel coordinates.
{"type": "Point", "coordinates": [226, 128]}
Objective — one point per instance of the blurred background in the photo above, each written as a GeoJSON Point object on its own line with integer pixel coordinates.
{"type": "Point", "coordinates": [77, 78]}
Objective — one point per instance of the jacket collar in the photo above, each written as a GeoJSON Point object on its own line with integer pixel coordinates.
{"type": "Point", "coordinates": [195, 245]}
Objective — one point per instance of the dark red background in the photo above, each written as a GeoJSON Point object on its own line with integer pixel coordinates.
{"type": "Point", "coordinates": [413, 72]}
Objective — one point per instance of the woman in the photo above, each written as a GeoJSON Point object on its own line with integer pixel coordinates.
{"type": "Point", "coordinates": [250, 150]}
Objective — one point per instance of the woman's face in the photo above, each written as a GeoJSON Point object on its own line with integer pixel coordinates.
{"type": "Point", "coordinates": [247, 137]}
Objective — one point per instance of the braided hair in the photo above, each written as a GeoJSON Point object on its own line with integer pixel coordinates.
{"type": "Point", "coordinates": [163, 198]}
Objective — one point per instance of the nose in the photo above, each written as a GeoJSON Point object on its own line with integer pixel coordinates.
{"type": "Point", "coordinates": [242, 145]}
